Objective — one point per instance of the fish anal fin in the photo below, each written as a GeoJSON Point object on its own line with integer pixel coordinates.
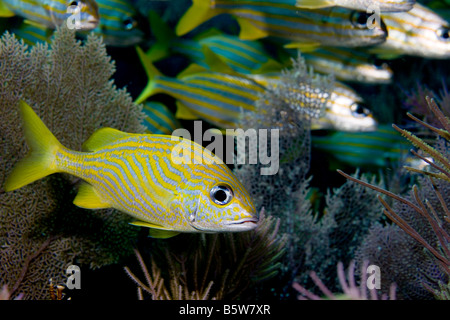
{"type": "Point", "coordinates": [162, 234]}
{"type": "Point", "coordinates": [103, 137]}
{"type": "Point", "coordinates": [88, 198]}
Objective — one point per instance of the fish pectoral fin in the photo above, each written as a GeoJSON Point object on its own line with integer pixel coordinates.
{"type": "Point", "coordinates": [88, 198]}
{"type": "Point", "coordinates": [103, 137]}
{"type": "Point", "coordinates": [249, 31]}
{"type": "Point", "coordinates": [183, 112]}
{"type": "Point", "coordinates": [156, 231]}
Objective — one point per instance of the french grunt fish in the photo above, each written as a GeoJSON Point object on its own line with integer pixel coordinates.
{"type": "Point", "coordinates": [168, 184]}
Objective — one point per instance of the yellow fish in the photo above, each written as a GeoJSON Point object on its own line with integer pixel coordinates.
{"type": "Point", "coordinates": [167, 183]}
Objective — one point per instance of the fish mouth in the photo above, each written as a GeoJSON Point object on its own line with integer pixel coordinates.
{"type": "Point", "coordinates": [243, 224]}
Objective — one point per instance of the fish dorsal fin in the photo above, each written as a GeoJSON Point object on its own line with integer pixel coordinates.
{"type": "Point", "coordinates": [250, 31]}
{"type": "Point", "coordinates": [184, 112]}
{"type": "Point", "coordinates": [103, 137]}
{"type": "Point", "coordinates": [156, 231]}
{"type": "Point", "coordinates": [269, 66]}
{"type": "Point", "coordinates": [164, 37]}
{"type": "Point", "coordinates": [199, 12]}
{"type": "Point", "coordinates": [211, 32]}
{"type": "Point", "coordinates": [88, 198]}
{"type": "Point", "coordinates": [215, 63]}
{"type": "Point", "coordinates": [192, 69]}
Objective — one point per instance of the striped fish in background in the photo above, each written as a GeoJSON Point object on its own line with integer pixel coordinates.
{"type": "Point", "coordinates": [345, 109]}
{"type": "Point", "coordinates": [218, 98]}
{"type": "Point", "coordinates": [159, 119]}
{"type": "Point", "coordinates": [418, 32]}
{"type": "Point", "coordinates": [222, 99]}
{"type": "Point", "coordinates": [117, 26]}
{"type": "Point", "coordinates": [142, 175]}
{"type": "Point", "coordinates": [53, 13]}
{"type": "Point", "coordinates": [33, 33]}
{"type": "Point", "coordinates": [118, 23]}
{"type": "Point", "coordinates": [335, 26]}
{"type": "Point", "coordinates": [349, 65]}
{"type": "Point", "coordinates": [240, 55]}
{"type": "Point", "coordinates": [382, 5]}
{"type": "Point", "coordinates": [383, 147]}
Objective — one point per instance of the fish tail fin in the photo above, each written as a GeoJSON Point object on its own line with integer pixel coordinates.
{"type": "Point", "coordinates": [199, 12]}
{"type": "Point", "coordinates": [40, 160]}
{"type": "Point", "coordinates": [164, 37]}
{"type": "Point", "coordinates": [151, 72]}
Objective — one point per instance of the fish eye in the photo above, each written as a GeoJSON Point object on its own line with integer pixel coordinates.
{"type": "Point", "coordinates": [359, 19]}
{"type": "Point", "coordinates": [221, 194]}
{"type": "Point", "coordinates": [444, 34]}
{"type": "Point", "coordinates": [129, 23]}
{"type": "Point", "coordinates": [378, 63]}
{"type": "Point", "coordinates": [73, 3]}
{"type": "Point", "coordinates": [359, 110]}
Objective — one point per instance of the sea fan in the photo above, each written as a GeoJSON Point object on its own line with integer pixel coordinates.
{"type": "Point", "coordinates": [41, 231]}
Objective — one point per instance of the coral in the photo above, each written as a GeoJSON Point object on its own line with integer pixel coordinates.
{"type": "Point", "coordinates": [350, 289]}
{"type": "Point", "coordinates": [41, 231]}
{"type": "Point", "coordinates": [285, 194]}
{"type": "Point", "coordinates": [219, 266]}
{"type": "Point", "coordinates": [401, 259]}
{"type": "Point", "coordinates": [315, 241]}
{"type": "Point", "coordinates": [349, 212]}
{"type": "Point", "coordinates": [423, 215]}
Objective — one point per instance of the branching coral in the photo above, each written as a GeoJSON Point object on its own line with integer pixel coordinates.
{"type": "Point", "coordinates": [425, 214]}
{"type": "Point", "coordinates": [41, 231]}
{"type": "Point", "coordinates": [221, 266]}
{"type": "Point", "coordinates": [350, 290]}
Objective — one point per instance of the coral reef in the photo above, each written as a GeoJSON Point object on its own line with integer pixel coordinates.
{"type": "Point", "coordinates": [41, 231]}
{"type": "Point", "coordinates": [423, 215]}
{"type": "Point", "coordinates": [350, 290]}
{"type": "Point", "coordinates": [219, 266]}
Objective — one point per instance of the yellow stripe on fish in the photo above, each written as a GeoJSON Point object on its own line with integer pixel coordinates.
{"type": "Point", "coordinates": [168, 184]}
{"type": "Point", "coordinates": [159, 119]}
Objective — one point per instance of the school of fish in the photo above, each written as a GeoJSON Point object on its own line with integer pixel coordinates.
{"type": "Point", "coordinates": [227, 72]}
